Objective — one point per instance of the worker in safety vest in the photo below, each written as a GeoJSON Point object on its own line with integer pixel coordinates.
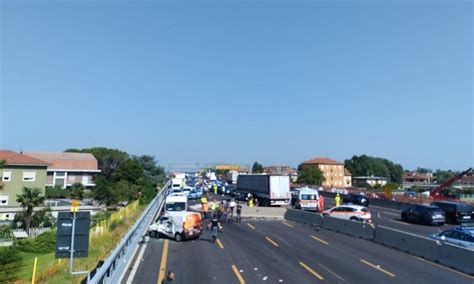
{"type": "Point", "coordinates": [321, 203]}
{"type": "Point", "coordinates": [338, 200]}
{"type": "Point", "coordinates": [203, 200]}
{"type": "Point", "coordinates": [213, 206]}
{"type": "Point", "coordinates": [215, 188]}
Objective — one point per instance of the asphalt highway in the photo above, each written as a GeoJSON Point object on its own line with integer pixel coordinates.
{"type": "Point", "coordinates": [391, 218]}
{"type": "Point", "coordinates": [285, 252]}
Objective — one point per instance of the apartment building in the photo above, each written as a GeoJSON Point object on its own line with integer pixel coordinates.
{"type": "Point", "coordinates": [334, 172]}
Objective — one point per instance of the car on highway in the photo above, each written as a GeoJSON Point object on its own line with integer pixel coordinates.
{"type": "Point", "coordinates": [357, 199]}
{"type": "Point", "coordinates": [177, 225]}
{"type": "Point", "coordinates": [461, 236]}
{"type": "Point", "coordinates": [349, 212]}
{"type": "Point", "coordinates": [424, 214]}
{"type": "Point", "coordinates": [456, 212]}
{"type": "Point", "coordinates": [195, 193]}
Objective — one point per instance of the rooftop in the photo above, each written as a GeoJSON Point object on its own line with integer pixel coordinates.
{"type": "Point", "coordinates": [20, 159]}
{"type": "Point", "coordinates": [67, 161]}
{"type": "Point", "coordinates": [323, 161]}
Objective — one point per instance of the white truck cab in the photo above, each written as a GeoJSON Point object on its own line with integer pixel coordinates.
{"type": "Point", "coordinates": [177, 225]}
{"type": "Point", "coordinates": [176, 202]}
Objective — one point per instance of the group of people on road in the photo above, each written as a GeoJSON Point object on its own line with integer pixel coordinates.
{"type": "Point", "coordinates": [222, 212]}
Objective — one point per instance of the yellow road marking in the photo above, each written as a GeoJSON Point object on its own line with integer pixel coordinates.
{"type": "Point", "coordinates": [319, 240]}
{"type": "Point", "coordinates": [311, 271]}
{"type": "Point", "coordinates": [378, 268]}
{"type": "Point", "coordinates": [271, 241]}
{"type": "Point", "coordinates": [332, 272]}
{"type": "Point", "coordinates": [164, 259]}
{"type": "Point", "coordinates": [390, 213]}
{"type": "Point", "coordinates": [446, 268]}
{"type": "Point", "coordinates": [289, 225]}
{"type": "Point", "coordinates": [403, 223]}
{"type": "Point", "coordinates": [237, 274]}
{"type": "Point", "coordinates": [251, 226]}
{"type": "Point", "coordinates": [219, 244]}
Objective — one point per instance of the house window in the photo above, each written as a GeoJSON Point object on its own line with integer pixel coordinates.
{"type": "Point", "coordinates": [29, 176]}
{"type": "Point", "coordinates": [7, 176]}
{"type": "Point", "coordinates": [59, 179]}
{"type": "Point", "coordinates": [3, 200]}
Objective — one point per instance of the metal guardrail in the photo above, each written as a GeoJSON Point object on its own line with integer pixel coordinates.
{"type": "Point", "coordinates": [114, 267]}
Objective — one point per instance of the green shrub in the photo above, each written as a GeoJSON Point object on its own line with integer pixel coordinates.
{"type": "Point", "coordinates": [44, 243]}
{"type": "Point", "coordinates": [9, 268]}
{"type": "Point", "coordinates": [115, 224]}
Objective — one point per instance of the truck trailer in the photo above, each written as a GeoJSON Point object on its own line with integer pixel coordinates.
{"type": "Point", "coordinates": [268, 189]}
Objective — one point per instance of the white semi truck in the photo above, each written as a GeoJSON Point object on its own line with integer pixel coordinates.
{"type": "Point", "coordinates": [268, 189]}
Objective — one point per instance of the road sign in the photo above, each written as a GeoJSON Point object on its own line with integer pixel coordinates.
{"type": "Point", "coordinates": [75, 205]}
{"type": "Point", "coordinates": [64, 234]}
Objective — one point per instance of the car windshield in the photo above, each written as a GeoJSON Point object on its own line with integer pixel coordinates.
{"type": "Point", "coordinates": [308, 196]}
{"type": "Point", "coordinates": [364, 210]}
{"type": "Point", "coordinates": [177, 206]}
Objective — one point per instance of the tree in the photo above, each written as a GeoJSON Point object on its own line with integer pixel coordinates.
{"type": "Point", "coordinates": [151, 169]}
{"type": "Point", "coordinates": [108, 159]}
{"type": "Point", "coordinates": [257, 168]}
{"type": "Point", "coordinates": [77, 191]}
{"type": "Point", "coordinates": [423, 170]}
{"type": "Point", "coordinates": [29, 199]}
{"type": "Point", "coordinates": [129, 171]}
{"type": "Point", "coordinates": [43, 219]}
{"type": "Point", "coordinates": [103, 191]}
{"type": "Point", "coordinates": [443, 176]}
{"type": "Point", "coordinates": [366, 166]}
{"type": "Point", "coordinates": [310, 175]}
{"type": "Point", "coordinates": [2, 165]}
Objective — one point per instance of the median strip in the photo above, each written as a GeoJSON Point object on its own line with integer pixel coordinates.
{"type": "Point", "coordinates": [377, 267]}
{"type": "Point", "coordinates": [250, 225]}
{"type": "Point", "coordinates": [317, 275]}
{"type": "Point", "coordinates": [271, 241]}
{"type": "Point", "coordinates": [238, 275]}
{"type": "Point", "coordinates": [219, 243]}
{"type": "Point", "coordinates": [164, 259]}
{"type": "Point", "coordinates": [319, 240]}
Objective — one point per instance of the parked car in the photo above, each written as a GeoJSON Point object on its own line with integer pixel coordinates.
{"type": "Point", "coordinates": [456, 212]}
{"type": "Point", "coordinates": [357, 199]}
{"type": "Point", "coordinates": [349, 212]}
{"type": "Point", "coordinates": [424, 215]}
{"type": "Point", "coordinates": [195, 194]}
{"type": "Point", "coordinates": [461, 236]}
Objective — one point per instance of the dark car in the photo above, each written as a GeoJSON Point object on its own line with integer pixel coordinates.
{"type": "Point", "coordinates": [456, 212]}
{"type": "Point", "coordinates": [356, 199]}
{"type": "Point", "coordinates": [424, 215]}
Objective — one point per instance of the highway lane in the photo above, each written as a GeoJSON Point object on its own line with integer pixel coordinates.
{"type": "Point", "coordinates": [287, 252]}
{"type": "Point", "coordinates": [391, 218]}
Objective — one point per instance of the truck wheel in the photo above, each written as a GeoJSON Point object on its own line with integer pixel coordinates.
{"type": "Point", "coordinates": [153, 234]}
{"type": "Point", "coordinates": [178, 237]}
{"type": "Point", "coordinates": [353, 219]}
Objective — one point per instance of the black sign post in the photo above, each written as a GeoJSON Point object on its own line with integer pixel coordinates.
{"type": "Point", "coordinates": [72, 239]}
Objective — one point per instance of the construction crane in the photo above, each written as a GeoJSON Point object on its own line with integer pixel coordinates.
{"type": "Point", "coordinates": [437, 193]}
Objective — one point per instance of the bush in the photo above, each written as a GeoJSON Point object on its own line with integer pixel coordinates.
{"type": "Point", "coordinates": [43, 219]}
{"type": "Point", "coordinates": [115, 224]}
{"type": "Point", "coordinates": [9, 268]}
{"type": "Point", "coordinates": [57, 192]}
{"type": "Point", "coordinates": [5, 232]}
{"type": "Point", "coordinates": [44, 243]}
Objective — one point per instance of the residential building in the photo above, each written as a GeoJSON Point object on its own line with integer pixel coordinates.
{"type": "Point", "coordinates": [282, 170]}
{"type": "Point", "coordinates": [334, 171]}
{"type": "Point", "coordinates": [19, 171]}
{"type": "Point", "coordinates": [347, 178]}
{"type": "Point", "coordinates": [65, 169]}
{"type": "Point", "coordinates": [413, 178]}
{"type": "Point", "coordinates": [371, 180]}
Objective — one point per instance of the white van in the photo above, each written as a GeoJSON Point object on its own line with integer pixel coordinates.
{"type": "Point", "coordinates": [176, 202]}
{"type": "Point", "coordinates": [177, 225]}
{"type": "Point", "coordinates": [306, 199]}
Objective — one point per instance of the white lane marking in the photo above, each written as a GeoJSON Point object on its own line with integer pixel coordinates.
{"type": "Point", "coordinates": [135, 266]}
{"type": "Point", "coordinates": [390, 213]}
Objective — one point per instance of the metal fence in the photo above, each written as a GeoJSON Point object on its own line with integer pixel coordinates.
{"type": "Point", "coordinates": [114, 267]}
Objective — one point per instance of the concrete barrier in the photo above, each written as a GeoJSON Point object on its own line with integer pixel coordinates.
{"type": "Point", "coordinates": [413, 244]}
{"type": "Point", "coordinates": [304, 217]}
{"type": "Point", "coordinates": [352, 228]}
{"type": "Point", "coordinates": [457, 257]}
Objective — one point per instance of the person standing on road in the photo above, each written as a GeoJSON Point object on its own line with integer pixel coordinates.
{"type": "Point", "coordinates": [232, 206]}
{"type": "Point", "coordinates": [215, 188]}
{"type": "Point", "coordinates": [321, 203]}
{"type": "Point", "coordinates": [338, 200]}
{"type": "Point", "coordinates": [239, 211]}
{"type": "Point", "coordinates": [214, 227]}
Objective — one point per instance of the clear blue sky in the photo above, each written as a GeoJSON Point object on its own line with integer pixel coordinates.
{"type": "Point", "coordinates": [241, 81]}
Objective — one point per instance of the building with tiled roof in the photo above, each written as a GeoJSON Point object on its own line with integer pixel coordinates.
{"type": "Point", "coordinates": [333, 171]}
{"type": "Point", "coordinates": [65, 169]}
{"type": "Point", "coordinates": [19, 171]}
